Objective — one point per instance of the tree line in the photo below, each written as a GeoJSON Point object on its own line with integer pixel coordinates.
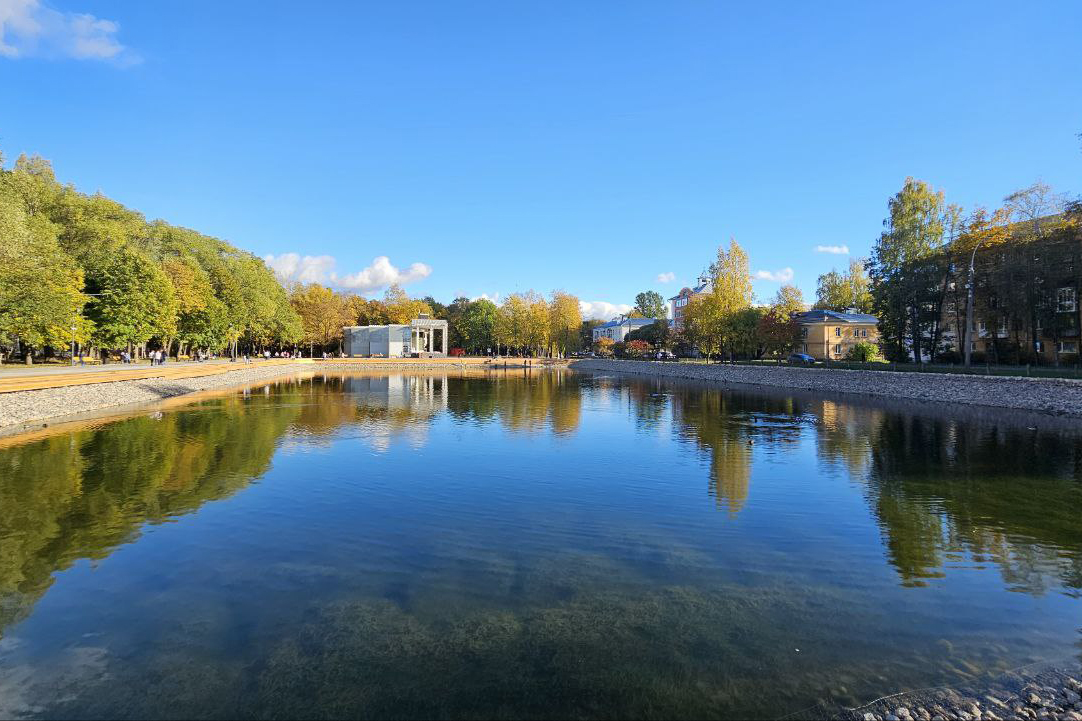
{"type": "Point", "coordinates": [85, 270]}
{"type": "Point", "coordinates": [1027, 274]}
{"type": "Point", "coordinates": [524, 324]}
{"type": "Point", "coordinates": [723, 321]}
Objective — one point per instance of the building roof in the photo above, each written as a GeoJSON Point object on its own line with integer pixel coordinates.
{"type": "Point", "coordinates": [703, 287]}
{"type": "Point", "coordinates": [833, 316]}
{"type": "Point", "coordinates": [631, 322]}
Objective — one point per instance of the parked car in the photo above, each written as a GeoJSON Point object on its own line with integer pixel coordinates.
{"type": "Point", "coordinates": [801, 359]}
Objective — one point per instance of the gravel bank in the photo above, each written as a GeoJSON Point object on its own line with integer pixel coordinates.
{"type": "Point", "coordinates": [1060, 397]}
{"type": "Point", "coordinates": [1055, 695]}
{"type": "Point", "coordinates": [24, 410]}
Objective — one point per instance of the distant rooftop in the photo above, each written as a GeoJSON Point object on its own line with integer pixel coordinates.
{"type": "Point", "coordinates": [630, 322]}
{"type": "Point", "coordinates": [833, 316]}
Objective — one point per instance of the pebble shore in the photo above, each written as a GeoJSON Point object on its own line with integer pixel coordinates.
{"type": "Point", "coordinates": [1054, 696]}
{"type": "Point", "coordinates": [26, 410]}
{"type": "Point", "coordinates": [1055, 396]}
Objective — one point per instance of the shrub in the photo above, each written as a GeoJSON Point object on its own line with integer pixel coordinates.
{"type": "Point", "coordinates": [948, 356]}
{"type": "Point", "coordinates": [603, 347]}
{"type": "Point", "coordinates": [863, 352]}
{"type": "Point", "coordinates": [637, 349]}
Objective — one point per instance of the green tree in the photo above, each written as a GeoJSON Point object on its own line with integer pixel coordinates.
{"type": "Point", "coordinates": [657, 334]}
{"type": "Point", "coordinates": [788, 300]}
{"type": "Point", "coordinates": [903, 268]}
{"type": "Point", "coordinates": [650, 304]}
{"type": "Point", "coordinates": [863, 352]}
{"type": "Point", "coordinates": [137, 302]}
{"type": "Point", "coordinates": [479, 325]}
{"type": "Point", "coordinates": [40, 285]}
{"type": "Point", "coordinates": [845, 291]}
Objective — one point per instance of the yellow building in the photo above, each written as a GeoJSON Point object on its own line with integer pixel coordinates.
{"type": "Point", "coordinates": [828, 335]}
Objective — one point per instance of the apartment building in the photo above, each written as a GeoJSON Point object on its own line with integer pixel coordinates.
{"type": "Point", "coordinates": [829, 335]}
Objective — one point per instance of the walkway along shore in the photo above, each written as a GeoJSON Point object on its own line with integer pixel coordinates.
{"type": "Point", "coordinates": [29, 401]}
{"type": "Point", "coordinates": [1055, 396]}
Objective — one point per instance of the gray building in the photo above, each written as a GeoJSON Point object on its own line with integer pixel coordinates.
{"type": "Point", "coordinates": [424, 337]}
{"type": "Point", "coordinates": [618, 329]}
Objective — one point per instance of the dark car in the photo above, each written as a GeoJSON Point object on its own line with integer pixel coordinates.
{"type": "Point", "coordinates": [801, 359]}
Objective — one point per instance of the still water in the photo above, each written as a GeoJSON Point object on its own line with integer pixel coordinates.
{"type": "Point", "coordinates": [528, 546]}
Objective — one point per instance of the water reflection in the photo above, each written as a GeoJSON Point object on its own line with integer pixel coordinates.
{"type": "Point", "coordinates": [954, 494]}
{"type": "Point", "coordinates": [536, 544]}
{"type": "Point", "coordinates": [80, 494]}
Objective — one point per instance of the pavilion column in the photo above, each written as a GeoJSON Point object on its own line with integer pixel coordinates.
{"type": "Point", "coordinates": [444, 333]}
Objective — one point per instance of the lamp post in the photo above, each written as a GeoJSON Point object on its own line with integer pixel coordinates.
{"type": "Point", "coordinates": [969, 303]}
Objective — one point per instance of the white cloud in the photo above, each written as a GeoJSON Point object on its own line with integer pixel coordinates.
{"type": "Point", "coordinates": [28, 28]}
{"type": "Point", "coordinates": [835, 249]}
{"type": "Point", "coordinates": [494, 298]}
{"type": "Point", "coordinates": [778, 276]}
{"type": "Point", "coordinates": [600, 310]}
{"type": "Point", "coordinates": [666, 277]}
{"type": "Point", "coordinates": [293, 268]}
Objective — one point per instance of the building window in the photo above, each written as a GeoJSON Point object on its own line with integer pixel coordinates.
{"type": "Point", "coordinates": [837, 332]}
{"type": "Point", "coordinates": [1066, 302]}
{"type": "Point", "coordinates": [838, 349]}
{"type": "Point", "coordinates": [804, 332]}
{"type": "Point", "coordinates": [1038, 346]}
{"type": "Point", "coordinates": [805, 347]}
{"type": "Point", "coordinates": [1068, 346]}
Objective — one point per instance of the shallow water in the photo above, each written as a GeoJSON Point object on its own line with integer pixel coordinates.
{"type": "Point", "coordinates": [551, 545]}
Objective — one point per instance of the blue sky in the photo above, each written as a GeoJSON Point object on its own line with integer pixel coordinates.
{"type": "Point", "coordinates": [492, 147]}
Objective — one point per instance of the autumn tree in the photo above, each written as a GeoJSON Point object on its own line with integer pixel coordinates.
{"type": "Point", "coordinates": [788, 300]}
{"type": "Point", "coordinates": [565, 319]}
{"type": "Point", "coordinates": [777, 331]}
{"type": "Point", "coordinates": [400, 308]}
{"type": "Point", "coordinates": [322, 312]}
{"type": "Point", "coordinates": [715, 321]}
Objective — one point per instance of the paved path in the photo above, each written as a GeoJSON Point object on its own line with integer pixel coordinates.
{"type": "Point", "coordinates": [85, 375]}
{"type": "Point", "coordinates": [32, 378]}
{"type": "Point", "coordinates": [8, 370]}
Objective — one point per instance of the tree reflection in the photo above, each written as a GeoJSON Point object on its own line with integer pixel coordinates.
{"type": "Point", "coordinates": [80, 494]}
{"type": "Point", "coordinates": [526, 403]}
{"type": "Point", "coordinates": [945, 491]}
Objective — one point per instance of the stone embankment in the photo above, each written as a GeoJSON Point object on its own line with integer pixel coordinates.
{"type": "Point", "coordinates": [25, 410]}
{"type": "Point", "coordinates": [1060, 397]}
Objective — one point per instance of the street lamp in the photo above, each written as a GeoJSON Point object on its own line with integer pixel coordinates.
{"type": "Point", "coordinates": [969, 303]}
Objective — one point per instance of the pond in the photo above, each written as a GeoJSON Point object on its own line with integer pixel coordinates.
{"type": "Point", "coordinates": [528, 545]}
